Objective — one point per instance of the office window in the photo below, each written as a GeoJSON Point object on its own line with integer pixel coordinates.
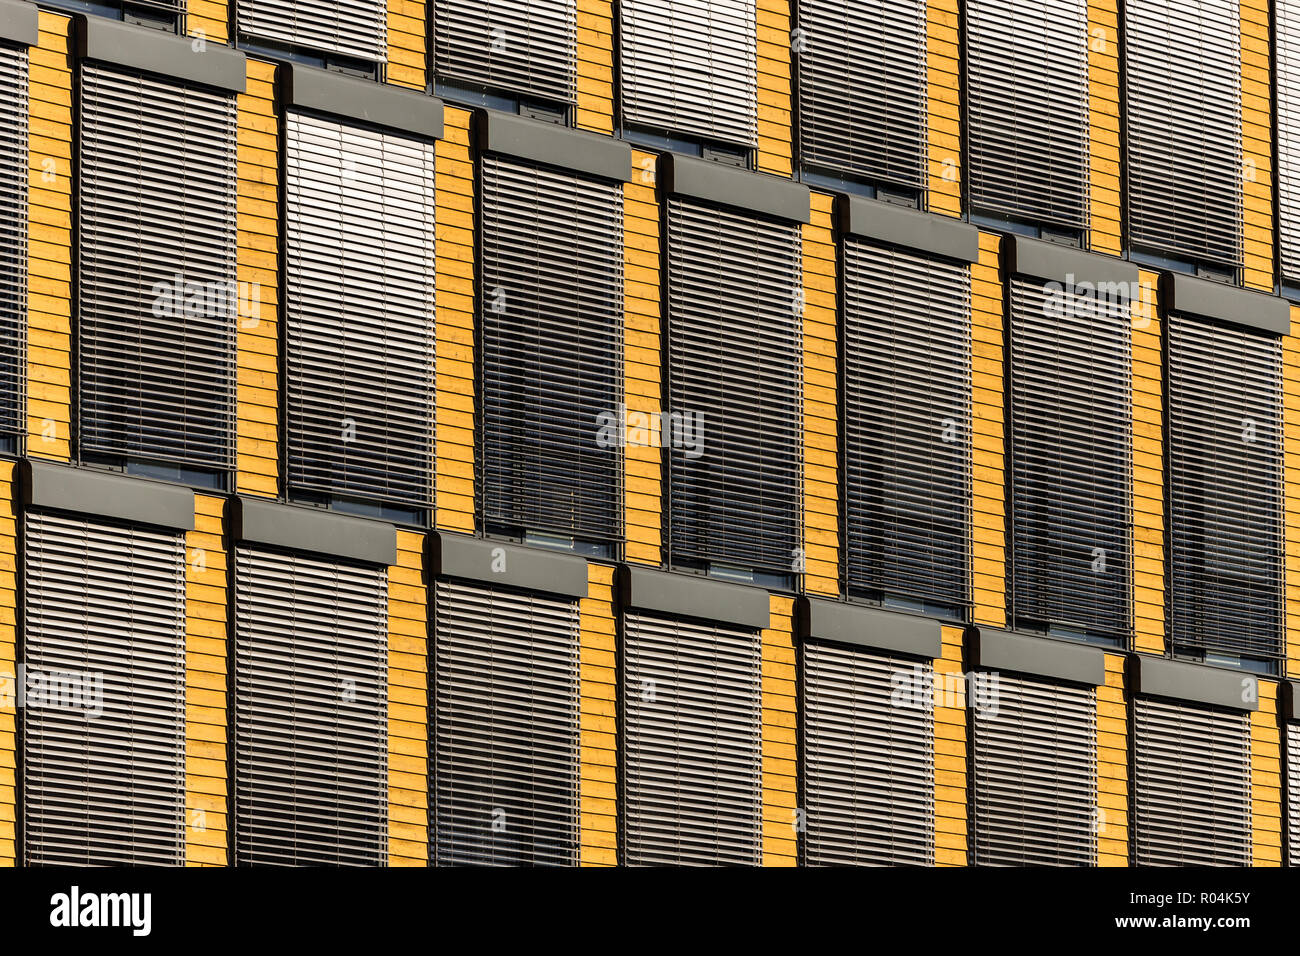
{"type": "Point", "coordinates": [1071, 448]}
{"type": "Point", "coordinates": [359, 318]}
{"type": "Point", "coordinates": [1035, 775]}
{"type": "Point", "coordinates": [690, 67]}
{"type": "Point", "coordinates": [158, 301]}
{"type": "Point", "coordinates": [519, 46]}
{"type": "Point", "coordinates": [862, 88]}
{"type": "Point", "coordinates": [552, 308]}
{"type": "Point", "coordinates": [103, 768]}
{"type": "Point", "coordinates": [735, 378]}
{"type": "Point", "coordinates": [1286, 74]}
{"type": "Point", "coordinates": [1182, 83]}
{"type": "Point", "coordinates": [692, 744]}
{"type": "Point", "coordinates": [13, 242]}
{"type": "Point", "coordinates": [505, 736]}
{"type": "Point", "coordinates": [310, 722]}
{"type": "Point", "coordinates": [357, 29]}
{"type": "Point", "coordinates": [1191, 778]}
{"type": "Point", "coordinates": [1027, 97]}
{"type": "Point", "coordinates": [906, 372]}
{"type": "Point", "coordinates": [1225, 491]}
{"type": "Point", "coordinates": [868, 759]}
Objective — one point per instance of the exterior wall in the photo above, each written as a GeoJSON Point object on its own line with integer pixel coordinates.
{"type": "Point", "coordinates": [951, 815]}
{"type": "Point", "coordinates": [1148, 473]}
{"type": "Point", "coordinates": [1266, 779]}
{"type": "Point", "coordinates": [1256, 145]}
{"type": "Point", "coordinates": [943, 71]}
{"type": "Point", "coordinates": [208, 19]}
{"type": "Point", "coordinates": [774, 112]}
{"type": "Point", "coordinates": [1112, 766]}
{"type": "Point", "coordinates": [408, 705]}
{"type": "Point", "coordinates": [595, 41]}
{"type": "Point", "coordinates": [1104, 233]}
{"type": "Point", "coordinates": [8, 662]}
{"type": "Point", "coordinates": [988, 438]}
{"type": "Point", "coordinates": [407, 55]}
{"type": "Point", "coordinates": [821, 496]}
{"type": "Point", "coordinates": [780, 737]}
{"type": "Point", "coordinates": [1291, 500]}
{"type": "Point", "coordinates": [598, 722]}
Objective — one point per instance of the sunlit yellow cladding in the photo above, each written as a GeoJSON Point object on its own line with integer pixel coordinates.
{"type": "Point", "coordinates": [1112, 767]}
{"type": "Point", "coordinates": [8, 660]}
{"type": "Point", "coordinates": [951, 811]}
{"type": "Point", "coordinates": [1291, 501]}
{"type": "Point", "coordinates": [943, 96]}
{"type": "Point", "coordinates": [408, 710]}
{"type": "Point", "coordinates": [774, 113]}
{"type": "Point", "coordinates": [407, 55]}
{"type": "Point", "coordinates": [208, 19]}
{"type": "Point", "coordinates": [597, 717]}
{"type": "Point", "coordinates": [820, 409]}
{"type": "Point", "coordinates": [1148, 471]}
{"type": "Point", "coordinates": [988, 429]}
{"type": "Point", "coordinates": [1104, 194]}
{"type": "Point", "coordinates": [1266, 779]}
{"type": "Point", "coordinates": [594, 40]}
{"type": "Point", "coordinates": [1256, 146]}
{"type": "Point", "coordinates": [780, 737]}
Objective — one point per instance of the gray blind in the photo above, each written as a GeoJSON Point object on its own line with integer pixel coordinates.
{"type": "Point", "coordinates": [1286, 75]}
{"type": "Point", "coordinates": [1291, 746]}
{"type": "Point", "coordinates": [868, 759]}
{"type": "Point", "coordinates": [13, 237]}
{"type": "Point", "coordinates": [352, 28]}
{"type": "Point", "coordinates": [521, 46]}
{"type": "Point", "coordinates": [1191, 776]}
{"type": "Point", "coordinates": [1035, 775]}
{"type": "Point", "coordinates": [1071, 449]}
{"type": "Point", "coordinates": [692, 744]}
{"type": "Point", "coordinates": [359, 331]}
{"type": "Point", "coordinates": [103, 780]}
{"type": "Point", "coordinates": [157, 295]}
{"type": "Point", "coordinates": [907, 451]}
{"type": "Point", "coordinates": [310, 711]}
{"type": "Point", "coordinates": [552, 357]}
{"type": "Point", "coordinates": [691, 67]}
{"type": "Point", "coordinates": [862, 88]}
{"type": "Point", "coordinates": [1027, 97]}
{"type": "Point", "coordinates": [505, 709]}
{"type": "Point", "coordinates": [735, 363]}
{"type": "Point", "coordinates": [1225, 490]}
{"type": "Point", "coordinates": [1182, 83]}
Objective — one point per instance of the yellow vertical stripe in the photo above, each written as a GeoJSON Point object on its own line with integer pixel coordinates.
{"type": "Point", "coordinates": [1256, 146]}
{"type": "Point", "coordinates": [1112, 767]}
{"type": "Point", "coordinates": [774, 136]}
{"type": "Point", "coordinates": [820, 409]}
{"type": "Point", "coordinates": [780, 774]}
{"type": "Point", "coordinates": [408, 712]}
{"type": "Point", "coordinates": [595, 66]}
{"type": "Point", "coordinates": [208, 19]}
{"type": "Point", "coordinates": [950, 753]}
{"type": "Point", "coordinates": [942, 67]}
{"type": "Point", "coordinates": [598, 740]}
{"type": "Point", "coordinates": [1266, 779]}
{"type": "Point", "coordinates": [1148, 473]}
{"type": "Point", "coordinates": [1103, 127]}
{"type": "Point", "coordinates": [988, 479]}
{"type": "Point", "coordinates": [1291, 471]}
{"type": "Point", "coordinates": [406, 45]}
{"type": "Point", "coordinates": [8, 660]}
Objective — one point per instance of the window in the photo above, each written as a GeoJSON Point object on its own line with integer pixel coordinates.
{"type": "Point", "coordinates": [1183, 129]}
{"type": "Point", "coordinates": [1027, 96]}
{"type": "Point", "coordinates": [523, 47]}
{"type": "Point", "coordinates": [1286, 74]}
{"type": "Point", "coordinates": [505, 737]}
{"type": "Point", "coordinates": [862, 89]}
{"type": "Point", "coordinates": [355, 29]}
{"type": "Point", "coordinates": [13, 243]}
{"type": "Point", "coordinates": [158, 299]}
{"type": "Point", "coordinates": [310, 720]}
{"type": "Point", "coordinates": [103, 776]}
{"type": "Point", "coordinates": [359, 329]}
{"type": "Point", "coordinates": [552, 274]}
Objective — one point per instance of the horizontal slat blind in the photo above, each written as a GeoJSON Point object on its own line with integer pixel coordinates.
{"type": "Point", "coordinates": [868, 759]}
{"type": "Point", "coordinates": [107, 603]}
{"type": "Point", "coordinates": [523, 46]}
{"type": "Point", "coordinates": [1071, 458]}
{"type": "Point", "coordinates": [1027, 95]}
{"type": "Point", "coordinates": [13, 237]}
{"type": "Point", "coordinates": [1035, 780]}
{"type": "Point", "coordinates": [1225, 489]}
{"type": "Point", "coordinates": [311, 711]}
{"type": "Point", "coordinates": [692, 749]}
{"type": "Point", "coordinates": [552, 268]}
{"type": "Point", "coordinates": [1191, 786]}
{"type": "Point", "coordinates": [907, 454]}
{"type": "Point", "coordinates": [359, 302]}
{"type": "Point", "coordinates": [690, 66]}
{"type": "Point", "coordinates": [353, 28]}
{"type": "Point", "coordinates": [862, 88]}
{"type": "Point", "coordinates": [156, 263]}
{"type": "Point", "coordinates": [505, 728]}
{"type": "Point", "coordinates": [1182, 83]}
{"type": "Point", "coordinates": [734, 363]}
{"type": "Point", "coordinates": [1292, 746]}
{"type": "Point", "coordinates": [1286, 74]}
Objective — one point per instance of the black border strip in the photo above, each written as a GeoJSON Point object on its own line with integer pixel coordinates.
{"type": "Point", "coordinates": [1036, 655]}
{"type": "Point", "coordinates": [501, 564]}
{"type": "Point", "coordinates": [825, 619]}
{"type": "Point", "coordinates": [1192, 683]}
{"type": "Point", "coordinates": [730, 186]}
{"type": "Point", "coordinates": [140, 48]}
{"type": "Point", "coordinates": [122, 498]}
{"type": "Point", "coordinates": [392, 107]}
{"type": "Point", "coordinates": [554, 145]}
{"type": "Point", "coordinates": [258, 522]}
{"type": "Point", "coordinates": [921, 231]}
{"type": "Point", "coordinates": [690, 595]}
{"type": "Point", "coordinates": [1224, 303]}
{"type": "Point", "coordinates": [1067, 265]}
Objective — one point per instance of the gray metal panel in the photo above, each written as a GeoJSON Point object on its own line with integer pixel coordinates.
{"type": "Point", "coordinates": [916, 231]}
{"type": "Point", "coordinates": [1071, 267]}
{"type": "Point", "coordinates": [173, 57]}
{"type": "Point", "coordinates": [1216, 300]}
{"type": "Point", "coordinates": [1287, 700]}
{"type": "Point", "coordinates": [826, 620]}
{"type": "Point", "coordinates": [402, 110]}
{"type": "Point", "coordinates": [352, 28]}
{"type": "Point", "coordinates": [573, 151]}
{"type": "Point", "coordinates": [739, 188]}
{"type": "Point", "coordinates": [690, 595]}
{"type": "Point", "coordinates": [297, 528]}
{"type": "Point", "coordinates": [137, 500]}
{"type": "Point", "coordinates": [522, 46]}
{"type": "Point", "coordinates": [1037, 655]}
{"type": "Point", "coordinates": [14, 81]}
{"type": "Point", "coordinates": [1193, 683]}
{"type": "Point", "coordinates": [19, 22]}
{"type": "Point", "coordinates": [506, 565]}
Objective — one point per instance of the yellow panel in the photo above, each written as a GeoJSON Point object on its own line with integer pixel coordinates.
{"type": "Point", "coordinates": [1257, 146]}
{"type": "Point", "coordinates": [1148, 474]}
{"type": "Point", "coordinates": [988, 574]}
{"type": "Point", "coordinates": [1112, 767]}
{"type": "Point", "coordinates": [1265, 779]}
{"type": "Point", "coordinates": [774, 125]}
{"type": "Point", "coordinates": [642, 466]}
{"type": "Point", "coordinates": [950, 753]}
{"type": "Point", "coordinates": [407, 28]}
{"type": "Point", "coordinates": [943, 153]}
{"type": "Point", "coordinates": [408, 720]}
{"type": "Point", "coordinates": [595, 55]}
{"type": "Point", "coordinates": [8, 661]}
{"type": "Point", "coordinates": [821, 474]}
{"type": "Point", "coordinates": [1103, 126]}
{"type": "Point", "coordinates": [597, 796]}
{"type": "Point", "coordinates": [780, 763]}
{"type": "Point", "coordinates": [209, 20]}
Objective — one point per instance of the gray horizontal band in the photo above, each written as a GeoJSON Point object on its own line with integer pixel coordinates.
{"type": "Point", "coordinates": [554, 145]}
{"type": "Point", "coordinates": [1036, 655]}
{"type": "Point", "coordinates": [827, 620]}
{"type": "Point", "coordinates": [729, 186]}
{"type": "Point", "coordinates": [1189, 295]}
{"type": "Point", "coordinates": [1288, 705]}
{"type": "Point", "coordinates": [1070, 267]}
{"type": "Point", "coordinates": [19, 22]}
{"type": "Point", "coordinates": [138, 500]}
{"type": "Point", "coordinates": [140, 48]}
{"type": "Point", "coordinates": [366, 101]}
{"type": "Point", "coordinates": [911, 228]}
{"type": "Point", "coordinates": [299, 528]}
{"type": "Point", "coordinates": [1192, 683]}
{"type": "Point", "coordinates": [690, 595]}
{"type": "Point", "coordinates": [507, 565]}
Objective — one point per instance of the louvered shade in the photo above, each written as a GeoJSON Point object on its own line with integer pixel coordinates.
{"type": "Point", "coordinates": [552, 271]}
{"type": "Point", "coordinates": [310, 733]}
{"type": "Point", "coordinates": [521, 46]}
{"type": "Point", "coordinates": [106, 602]}
{"type": "Point", "coordinates": [351, 28]}
{"type": "Point", "coordinates": [13, 237]}
{"type": "Point", "coordinates": [692, 744]}
{"type": "Point", "coordinates": [1286, 76]}
{"type": "Point", "coordinates": [359, 329]}
{"type": "Point", "coordinates": [156, 269]}
{"type": "Point", "coordinates": [505, 747]}
{"type": "Point", "coordinates": [868, 759]}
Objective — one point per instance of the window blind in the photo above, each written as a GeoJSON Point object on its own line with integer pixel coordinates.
{"type": "Point", "coordinates": [523, 46]}
{"type": "Point", "coordinates": [352, 28]}
{"type": "Point", "coordinates": [1286, 76]}
{"type": "Point", "coordinates": [13, 237]}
